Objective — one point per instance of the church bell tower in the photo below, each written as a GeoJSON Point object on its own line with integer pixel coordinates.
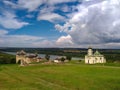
{"type": "Point", "coordinates": [90, 51]}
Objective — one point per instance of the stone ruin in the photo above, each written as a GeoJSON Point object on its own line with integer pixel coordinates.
{"type": "Point", "coordinates": [25, 59]}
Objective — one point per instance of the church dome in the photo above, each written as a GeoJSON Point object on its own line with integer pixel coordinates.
{"type": "Point", "coordinates": [97, 53]}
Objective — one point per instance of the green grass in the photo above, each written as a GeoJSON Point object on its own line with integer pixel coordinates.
{"type": "Point", "coordinates": [59, 77]}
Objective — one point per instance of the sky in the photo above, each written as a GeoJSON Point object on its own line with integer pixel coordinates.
{"type": "Point", "coordinates": [60, 23]}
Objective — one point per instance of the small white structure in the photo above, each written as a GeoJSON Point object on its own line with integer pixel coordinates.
{"type": "Point", "coordinates": [93, 58]}
{"type": "Point", "coordinates": [59, 59]}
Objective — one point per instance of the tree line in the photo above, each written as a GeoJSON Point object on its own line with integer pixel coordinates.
{"type": "Point", "coordinates": [7, 59]}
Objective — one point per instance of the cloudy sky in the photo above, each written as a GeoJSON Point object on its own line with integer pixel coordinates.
{"type": "Point", "coordinates": [60, 23]}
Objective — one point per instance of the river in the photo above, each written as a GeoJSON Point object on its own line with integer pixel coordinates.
{"type": "Point", "coordinates": [52, 57]}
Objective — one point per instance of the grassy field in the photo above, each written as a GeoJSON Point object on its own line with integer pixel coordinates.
{"type": "Point", "coordinates": [59, 77]}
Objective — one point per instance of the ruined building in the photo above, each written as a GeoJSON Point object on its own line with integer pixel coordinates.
{"type": "Point", "coordinates": [26, 59]}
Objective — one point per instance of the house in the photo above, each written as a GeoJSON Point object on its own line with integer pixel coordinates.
{"type": "Point", "coordinates": [57, 60]}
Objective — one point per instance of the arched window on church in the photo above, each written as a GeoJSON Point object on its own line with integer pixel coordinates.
{"type": "Point", "coordinates": [100, 60]}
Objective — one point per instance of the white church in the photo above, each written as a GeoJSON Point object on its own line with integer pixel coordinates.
{"type": "Point", "coordinates": [93, 58]}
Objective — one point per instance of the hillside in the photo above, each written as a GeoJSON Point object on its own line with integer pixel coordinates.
{"type": "Point", "coordinates": [59, 77]}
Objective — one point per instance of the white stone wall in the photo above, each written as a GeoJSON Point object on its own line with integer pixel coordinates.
{"type": "Point", "coordinates": [19, 58]}
{"type": "Point", "coordinates": [93, 59]}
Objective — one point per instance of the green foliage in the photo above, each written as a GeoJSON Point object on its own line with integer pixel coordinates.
{"type": "Point", "coordinates": [68, 57]}
{"type": "Point", "coordinates": [112, 57]}
{"type": "Point", "coordinates": [62, 59]}
{"type": "Point", "coordinates": [7, 59]}
{"type": "Point", "coordinates": [47, 57]}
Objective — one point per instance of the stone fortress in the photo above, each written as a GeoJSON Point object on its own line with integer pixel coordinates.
{"type": "Point", "coordinates": [93, 58]}
{"type": "Point", "coordinates": [26, 59]}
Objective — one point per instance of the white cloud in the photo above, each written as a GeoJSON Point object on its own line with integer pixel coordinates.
{"type": "Point", "coordinates": [64, 41]}
{"type": "Point", "coordinates": [3, 32]}
{"type": "Point", "coordinates": [31, 5]}
{"type": "Point", "coordinates": [44, 43]}
{"type": "Point", "coordinates": [8, 20]}
{"type": "Point", "coordinates": [96, 23]}
{"type": "Point", "coordinates": [66, 8]}
{"type": "Point", "coordinates": [46, 8]}
{"type": "Point", "coordinates": [11, 4]}
{"type": "Point", "coordinates": [51, 17]}
{"type": "Point", "coordinates": [19, 40]}
{"type": "Point", "coordinates": [29, 16]}
{"type": "Point", "coordinates": [47, 13]}
{"type": "Point", "coordinates": [32, 41]}
{"type": "Point", "coordinates": [25, 41]}
{"type": "Point", "coordinates": [59, 1]}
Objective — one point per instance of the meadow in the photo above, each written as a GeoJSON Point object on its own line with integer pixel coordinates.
{"type": "Point", "coordinates": [69, 76]}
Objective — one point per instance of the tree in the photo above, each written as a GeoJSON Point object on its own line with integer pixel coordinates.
{"type": "Point", "coordinates": [47, 57]}
{"type": "Point", "coordinates": [62, 59]}
{"type": "Point", "coordinates": [68, 58]}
